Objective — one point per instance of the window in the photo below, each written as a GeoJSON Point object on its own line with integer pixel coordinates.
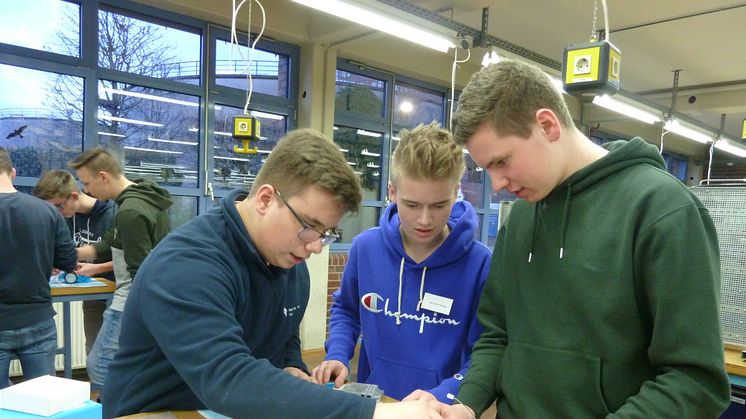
{"type": "Point", "coordinates": [416, 105]}
{"type": "Point", "coordinates": [139, 47]}
{"type": "Point", "coordinates": [270, 71]}
{"type": "Point", "coordinates": [45, 25]}
{"type": "Point", "coordinates": [154, 131]}
{"type": "Point", "coordinates": [357, 93]}
{"type": "Point", "coordinates": [40, 118]}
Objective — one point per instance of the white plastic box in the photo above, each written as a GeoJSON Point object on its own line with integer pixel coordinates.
{"type": "Point", "coordinates": [44, 396]}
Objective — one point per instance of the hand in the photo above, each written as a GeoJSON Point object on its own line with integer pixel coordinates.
{"type": "Point", "coordinates": [420, 395]}
{"type": "Point", "coordinates": [413, 409]}
{"type": "Point", "coordinates": [457, 411]}
{"type": "Point", "coordinates": [87, 269]}
{"type": "Point", "coordinates": [329, 370]}
{"type": "Point", "coordinates": [299, 373]}
{"type": "Point", "coordinates": [55, 272]}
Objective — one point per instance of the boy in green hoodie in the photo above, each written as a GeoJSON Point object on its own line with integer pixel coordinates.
{"type": "Point", "coordinates": [604, 291]}
{"type": "Point", "coordinates": [140, 222]}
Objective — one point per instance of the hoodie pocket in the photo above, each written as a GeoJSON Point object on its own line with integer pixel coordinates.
{"type": "Point", "coordinates": [397, 380]}
{"type": "Point", "coordinates": [548, 382]}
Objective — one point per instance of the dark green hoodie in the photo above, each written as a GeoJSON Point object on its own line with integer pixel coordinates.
{"type": "Point", "coordinates": [615, 312]}
{"type": "Point", "coordinates": [141, 221]}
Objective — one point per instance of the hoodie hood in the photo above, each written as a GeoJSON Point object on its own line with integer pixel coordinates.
{"type": "Point", "coordinates": [622, 155]}
{"type": "Point", "coordinates": [462, 225]}
{"type": "Point", "coordinates": [148, 192]}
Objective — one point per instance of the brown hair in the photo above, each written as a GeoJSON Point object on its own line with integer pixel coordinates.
{"type": "Point", "coordinates": [506, 96]}
{"type": "Point", "coordinates": [55, 184]}
{"type": "Point", "coordinates": [427, 152]}
{"type": "Point", "coordinates": [97, 160]}
{"type": "Point", "coordinates": [305, 158]}
{"type": "Point", "coordinates": [6, 165]}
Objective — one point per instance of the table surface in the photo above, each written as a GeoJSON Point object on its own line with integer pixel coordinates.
{"type": "Point", "coordinates": [109, 286]}
{"type": "Point", "coordinates": [733, 363]}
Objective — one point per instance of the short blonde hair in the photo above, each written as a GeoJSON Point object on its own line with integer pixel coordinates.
{"type": "Point", "coordinates": [55, 184]}
{"type": "Point", "coordinates": [304, 158]}
{"type": "Point", "coordinates": [427, 152]}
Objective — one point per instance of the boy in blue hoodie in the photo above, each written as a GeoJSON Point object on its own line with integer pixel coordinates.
{"type": "Point", "coordinates": [88, 220]}
{"type": "Point", "coordinates": [603, 298]}
{"type": "Point", "coordinates": [411, 286]}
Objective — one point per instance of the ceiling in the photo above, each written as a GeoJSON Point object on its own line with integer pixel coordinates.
{"type": "Point", "coordinates": [706, 40]}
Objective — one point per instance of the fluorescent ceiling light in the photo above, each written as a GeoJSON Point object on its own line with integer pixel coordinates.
{"type": "Point", "coordinates": [110, 134]}
{"type": "Point", "coordinates": [129, 121]}
{"type": "Point", "coordinates": [260, 114]}
{"type": "Point", "coordinates": [223, 133]}
{"type": "Point", "coordinates": [369, 133]}
{"type": "Point", "coordinates": [729, 147]}
{"type": "Point", "coordinates": [230, 158]}
{"type": "Point", "coordinates": [352, 163]}
{"type": "Point", "coordinates": [365, 152]}
{"type": "Point", "coordinates": [158, 140]}
{"type": "Point", "coordinates": [344, 150]}
{"type": "Point", "coordinates": [152, 150]}
{"type": "Point", "coordinates": [388, 19]}
{"type": "Point", "coordinates": [147, 96]}
{"type": "Point", "coordinates": [625, 109]}
{"type": "Point", "coordinates": [692, 134]}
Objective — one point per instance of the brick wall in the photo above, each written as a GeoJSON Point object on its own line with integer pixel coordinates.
{"type": "Point", "coordinates": [337, 261]}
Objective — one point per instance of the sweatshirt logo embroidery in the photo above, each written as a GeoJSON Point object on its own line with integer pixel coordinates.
{"type": "Point", "coordinates": [370, 302]}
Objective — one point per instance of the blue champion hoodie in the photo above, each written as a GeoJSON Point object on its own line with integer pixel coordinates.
{"type": "Point", "coordinates": [405, 345]}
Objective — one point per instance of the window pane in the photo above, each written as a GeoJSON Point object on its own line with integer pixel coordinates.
{"type": "Point", "coordinates": [236, 170]}
{"type": "Point", "coordinates": [47, 25]}
{"type": "Point", "coordinates": [183, 210]}
{"type": "Point", "coordinates": [415, 105]}
{"type": "Point", "coordinates": [269, 71]}
{"type": "Point", "coordinates": [139, 47]}
{"type": "Point", "coordinates": [155, 132]}
{"type": "Point", "coordinates": [363, 149]}
{"type": "Point", "coordinates": [360, 94]}
{"type": "Point", "coordinates": [352, 225]}
{"type": "Point", "coordinates": [40, 118]}
{"type": "Point", "coordinates": [472, 183]}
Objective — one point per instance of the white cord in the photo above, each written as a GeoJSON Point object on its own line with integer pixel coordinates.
{"type": "Point", "coordinates": [453, 79]}
{"type": "Point", "coordinates": [450, 396]}
{"type": "Point", "coordinates": [252, 46]}
{"type": "Point", "coordinates": [606, 21]}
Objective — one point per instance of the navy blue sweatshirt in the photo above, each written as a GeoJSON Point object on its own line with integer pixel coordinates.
{"type": "Point", "coordinates": [35, 239]}
{"type": "Point", "coordinates": [89, 228]}
{"type": "Point", "coordinates": [208, 324]}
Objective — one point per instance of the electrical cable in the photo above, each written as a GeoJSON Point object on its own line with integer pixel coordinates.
{"type": "Point", "coordinates": [252, 46]}
{"type": "Point", "coordinates": [450, 396]}
{"type": "Point", "coordinates": [453, 79]}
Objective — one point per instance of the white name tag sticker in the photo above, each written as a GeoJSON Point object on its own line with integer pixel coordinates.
{"type": "Point", "coordinates": [437, 303]}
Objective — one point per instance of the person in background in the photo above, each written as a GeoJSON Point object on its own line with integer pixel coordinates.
{"type": "Point", "coordinates": [604, 292]}
{"type": "Point", "coordinates": [88, 220]}
{"type": "Point", "coordinates": [35, 240]}
{"type": "Point", "coordinates": [213, 317]}
{"type": "Point", "coordinates": [140, 222]}
{"type": "Point", "coordinates": [411, 286]}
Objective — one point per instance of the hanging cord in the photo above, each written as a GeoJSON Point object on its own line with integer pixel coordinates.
{"type": "Point", "coordinates": [594, 31]}
{"type": "Point", "coordinates": [453, 79]}
{"type": "Point", "coordinates": [709, 164]}
{"type": "Point", "coordinates": [252, 46]}
{"type": "Point", "coordinates": [663, 134]}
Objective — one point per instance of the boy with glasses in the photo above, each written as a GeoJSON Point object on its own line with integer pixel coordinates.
{"type": "Point", "coordinates": [411, 286]}
{"type": "Point", "coordinates": [35, 239]}
{"type": "Point", "coordinates": [88, 219]}
{"type": "Point", "coordinates": [214, 314]}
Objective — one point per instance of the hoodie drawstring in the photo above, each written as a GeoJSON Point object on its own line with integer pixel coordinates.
{"type": "Point", "coordinates": [565, 214]}
{"type": "Point", "coordinates": [398, 310]}
{"type": "Point", "coordinates": [536, 231]}
{"type": "Point", "coordinates": [422, 287]}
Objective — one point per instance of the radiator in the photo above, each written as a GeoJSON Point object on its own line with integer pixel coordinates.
{"type": "Point", "coordinates": [78, 339]}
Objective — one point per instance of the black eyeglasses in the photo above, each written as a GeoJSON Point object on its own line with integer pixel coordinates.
{"type": "Point", "coordinates": [307, 233]}
{"type": "Point", "coordinates": [62, 205]}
